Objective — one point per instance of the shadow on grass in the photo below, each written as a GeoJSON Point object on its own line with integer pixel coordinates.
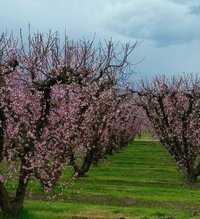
{"type": "Point", "coordinates": [24, 214]}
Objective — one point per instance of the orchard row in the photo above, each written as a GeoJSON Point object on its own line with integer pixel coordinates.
{"type": "Point", "coordinates": [68, 103]}
{"type": "Point", "coordinates": [61, 103]}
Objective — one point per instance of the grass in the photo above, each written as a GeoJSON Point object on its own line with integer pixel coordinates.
{"type": "Point", "coordinates": [141, 181]}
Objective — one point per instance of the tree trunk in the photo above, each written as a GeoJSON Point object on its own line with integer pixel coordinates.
{"type": "Point", "coordinates": [5, 201]}
{"type": "Point", "coordinates": [192, 176]}
{"type": "Point", "coordinates": [98, 156]}
{"type": "Point", "coordinates": [109, 151]}
{"type": "Point", "coordinates": [193, 172]}
{"type": "Point", "coordinates": [80, 172]}
{"type": "Point", "coordinates": [11, 207]}
{"type": "Point", "coordinates": [21, 191]}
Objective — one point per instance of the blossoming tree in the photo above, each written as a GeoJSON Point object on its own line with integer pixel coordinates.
{"type": "Point", "coordinates": [172, 106]}
{"type": "Point", "coordinates": [47, 89]}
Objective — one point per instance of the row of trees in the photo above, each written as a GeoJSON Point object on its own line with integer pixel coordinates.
{"type": "Point", "coordinates": [173, 108]}
{"type": "Point", "coordinates": [67, 103]}
{"type": "Point", "coordinates": [59, 101]}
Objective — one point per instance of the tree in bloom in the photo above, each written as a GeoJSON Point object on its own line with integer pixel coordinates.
{"type": "Point", "coordinates": [107, 123]}
{"type": "Point", "coordinates": [122, 124]}
{"type": "Point", "coordinates": [47, 89]}
{"type": "Point", "coordinates": [172, 106]}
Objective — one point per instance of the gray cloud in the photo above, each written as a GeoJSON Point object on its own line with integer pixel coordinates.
{"type": "Point", "coordinates": [163, 22]}
{"type": "Point", "coordinates": [172, 26]}
{"type": "Point", "coordinates": [77, 16]}
{"type": "Point", "coordinates": [186, 2]}
{"type": "Point", "coordinates": [195, 9]}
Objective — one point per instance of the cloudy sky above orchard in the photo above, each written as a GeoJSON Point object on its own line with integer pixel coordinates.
{"type": "Point", "coordinates": [168, 30]}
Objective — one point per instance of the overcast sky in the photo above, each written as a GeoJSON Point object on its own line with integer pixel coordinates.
{"type": "Point", "coordinates": [168, 29]}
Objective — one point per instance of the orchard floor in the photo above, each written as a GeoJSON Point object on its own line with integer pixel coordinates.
{"type": "Point", "coordinates": [140, 181]}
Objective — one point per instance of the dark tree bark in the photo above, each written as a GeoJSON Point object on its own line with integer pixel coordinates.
{"type": "Point", "coordinates": [12, 206]}
{"type": "Point", "coordinates": [84, 168]}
